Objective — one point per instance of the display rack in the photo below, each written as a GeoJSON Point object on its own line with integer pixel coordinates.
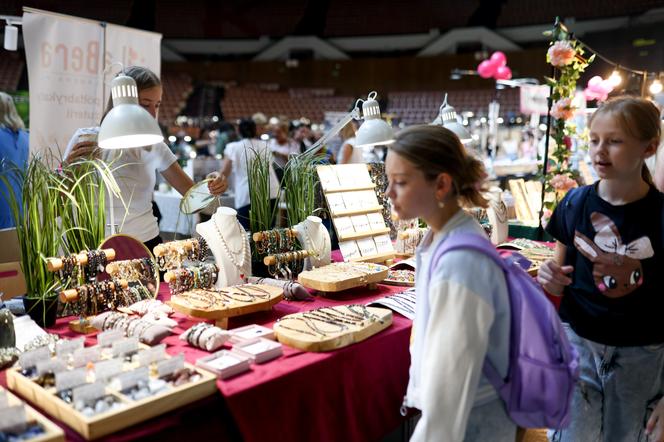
{"type": "Point", "coordinates": [356, 213]}
{"type": "Point", "coordinates": [55, 264]}
{"type": "Point", "coordinates": [52, 433]}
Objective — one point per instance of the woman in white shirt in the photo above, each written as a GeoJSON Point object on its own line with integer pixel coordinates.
{"type": "Point", "coordinates": [462, 313]}
{"type": "Point", "coordinates": [282, 147]}
{"type": "Point", "coordinates": [348, 153]}
{"type": "Point", "coordinates": [134, 169]}
{"type": "Point", "coordinates": [236, 158]}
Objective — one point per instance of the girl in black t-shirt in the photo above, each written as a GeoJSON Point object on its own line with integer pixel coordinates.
{"type": "Point", "coordinates": [607, 264]}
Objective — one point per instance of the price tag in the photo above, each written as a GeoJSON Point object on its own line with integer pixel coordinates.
{"type": "Point", "coordinates": [131, 378]}
{"type": "Point", "coordinates": [150, 355]}
{"type": "Point", "coordinates": [107, 338]}
{"type": "Point", "coordinates": [88, 393]}
{"type": "Point", "coordinates": [124, 346]}
{"type": "Point", "coordinates": [107, 369]}
{"type": "Point", "coordinates": [13, 418]}
{"type": "Point", "coordinates": [70, 379]}
{"type": "Point", "coordinates": [50, 366]}
{"type": "Point", "coordinates": [3, 399]}
{"type": "Point", "coordinates": [68, 346]}
{"type": "Point", "coordinates": [84, 355]}
{"type": "Point", "coordinates": [30, 359]}
{"type": "Point", "coordinates": [170, 365]}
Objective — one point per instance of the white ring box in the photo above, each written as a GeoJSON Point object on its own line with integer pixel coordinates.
{"type": "Point", "coordinates": [249, 332]}
{"type": "Point", "coordinates": [260, 350]}
{"type": "Point", "coordinates": [225, 363]}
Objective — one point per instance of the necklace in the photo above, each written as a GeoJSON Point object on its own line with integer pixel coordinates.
{"type": "Point", "coordinates": [318, 251]}
{"type": "Point", "coordinates": [232, 254]}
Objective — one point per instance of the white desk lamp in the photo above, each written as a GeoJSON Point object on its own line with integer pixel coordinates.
{"type": "Point", "coordinates": [374, 131]}
{"type": "Point", "coordinates": [447, 117]}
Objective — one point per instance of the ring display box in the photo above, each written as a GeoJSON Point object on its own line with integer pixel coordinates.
{"type": "Point", "coordinates": [250, 332]}
{"type": "Point", "coordinates": [260, 350]}
{"type": "Point", "coordinates": [225, 363]}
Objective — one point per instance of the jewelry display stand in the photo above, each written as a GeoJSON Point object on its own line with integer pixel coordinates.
{"type": "Point", "coordinates": [68, 264]}
{"type": "Point", "coordinates": [314, 238]}
{"type": "Point", "coordinates": [171, 255]}
{"type": "Point", "coordinates": [340, 276]}
{"type": "Point", "coordinates": [229, 245]}
{"type": "Point", "coordinates": [51, 432]}
{"type": "Point", "coordinates": [227, 302]}
{"type": "Point", "coordinates": [280, 255]}
{"type": "Point", "coordinates": [356, 213]}
{"type": "Point", "coordinates": [128, 411]}
{"type": "Point", "coordinates": [331, 328]}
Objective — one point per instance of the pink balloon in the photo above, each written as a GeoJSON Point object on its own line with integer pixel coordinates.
{"type": "Point", "coordinates": [498, 59]}
{"type": "Point", "coordinates": [595, 81]}
{"type": "Point", "coordinates": [503, 73]}
{"type": "Point", "coordinates": [486, 69]}
{"type": "Point", "coordinates": [605, 86]}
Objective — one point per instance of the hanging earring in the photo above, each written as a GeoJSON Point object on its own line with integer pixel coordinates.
{"type": "Point", "coordinates": [441, 204]}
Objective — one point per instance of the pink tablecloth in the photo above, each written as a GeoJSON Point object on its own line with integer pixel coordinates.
{"type": "Point", "coordinates": [351, 394]}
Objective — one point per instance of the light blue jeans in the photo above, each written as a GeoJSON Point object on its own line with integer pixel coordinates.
{"type": "Point", "coordinates": [618, 389]}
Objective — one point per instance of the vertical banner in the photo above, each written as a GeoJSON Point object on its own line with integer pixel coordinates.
{"type": "Point", "coordinates": [64, 74]}
{"type": "Point", "coordinates": [68, 86]}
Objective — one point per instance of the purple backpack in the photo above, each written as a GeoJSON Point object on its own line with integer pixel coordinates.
{"type": "Point", "coordinates": [543, 366]}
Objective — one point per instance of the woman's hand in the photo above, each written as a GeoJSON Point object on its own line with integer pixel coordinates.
{"type": "Point", "coordinates": [553, 277]}
{"type": "Point", "coordinates": [218, 184]}
{"type": "Point", "coordinates": [655, 425]}
{"type": "Point", "coordinates": [83, 149]}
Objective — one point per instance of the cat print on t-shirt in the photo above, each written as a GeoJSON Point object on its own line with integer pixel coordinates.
{"type": "Point", "coordinates": [617, 268]}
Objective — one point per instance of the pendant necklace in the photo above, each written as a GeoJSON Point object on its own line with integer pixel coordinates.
{"type": "Point", "coordinates": [232, 254]}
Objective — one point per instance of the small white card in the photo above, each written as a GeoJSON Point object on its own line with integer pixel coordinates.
{"type": "Point", "coordinates": [68, 346]}
{"type": "Point", "coordinates": [367, 198]}
{"type": "Point", "coordinates": [336, 202]}
{"type": "Point", "coordinates": [70, 379]}
{"type": "Point", "coordinates": [352, 201]}
{"type": "Point", "coordinates": [360, 223]}
{"type": "Point", "coordinates": [260, 350]}
{"type": "Point", "coordinates": [124, 346]}
{"type": "Point", "coordinates": [328, 177]}
{"type": "Point", "coordinates": [84, 355]}
{"type": "Point", "coordinates": [376, 221]}
{"type": "Point", "coordinates": [344, 225]}
{"type": "Point", "coordinates": [131, 378]}
{"type": "Point", "coordinates": [349, 250]}
{"type": "Point", "coordinates": [150, 355]}
{"type": "Point", "coordinates": [367, 247]}
{"type": "Point", "coordinates": [171, 365]}
{"type": "Point", "coordinates": [383, 243]}
{"type": "Point", "coordinates": [251, 332]}
{"type": "Point", "coordinates": [50, 366]}
{"type": "Point", "coordinates": [108, 337]}
{"type": "Point", "coordinates": [13, 417]}
{"type": "Point", "coordinates": [30, 359]}
{"type": "Point", "coordinates": [105, 370]}
{"type": "Point", "coordinates": [89, 392]}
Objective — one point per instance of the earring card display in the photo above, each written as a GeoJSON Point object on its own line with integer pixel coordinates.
{"type": "Point", "coordinates": [171, 383]}
{"type": "Point", "coordinates": [527, 199]}
{"type": "Point", "coordinates": [16, 414]}
{"type": "Point", "coordinates": [221, 304]}
{"type": "Point", "coordinates": [340, 276]}
{"type": "Point", "coordinates": [356, 213]}
{"type": "Point", "coordinates": [310, 331]}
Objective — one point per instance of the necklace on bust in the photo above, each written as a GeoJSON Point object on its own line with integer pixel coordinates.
{"type": "Point", "coordinates": [318, 251]}
{"type": "Point", "coordinates": [233, 254]}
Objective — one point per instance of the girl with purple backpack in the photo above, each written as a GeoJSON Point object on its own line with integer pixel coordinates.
{"type": "Point", "coordinates": [463, 308]}
{"type": "Point", "coordinates": [608, 258]}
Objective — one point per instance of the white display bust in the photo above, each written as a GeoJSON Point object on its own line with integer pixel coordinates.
{"type": "Point", "coordinates": [314, 237]}
{"type": "Point", "coordinates": [229, 244]}
{"type": "Point", "coordinates": [497, 213]}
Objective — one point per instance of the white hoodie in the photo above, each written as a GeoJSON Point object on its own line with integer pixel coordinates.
{"type": "Point", "coordinates": [462, 317]}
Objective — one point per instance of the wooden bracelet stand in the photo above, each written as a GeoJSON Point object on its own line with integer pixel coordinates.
{"type": "Point", "coordinates": [221, 312]}
{"type": "Point", "coordinates": [258, 237]}
{"type": "Point", "coordinates": [53, 265]}
{"type": "Point", "coordinates": [326, 280]}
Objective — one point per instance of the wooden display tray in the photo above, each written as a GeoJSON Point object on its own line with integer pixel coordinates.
{"type": "Point", "coordinates": [339, 189]}
{"type": "Point", "coordinates": [221, 313]}
{"type": "Point", "coordinates": [349, 212]}
{"type": "Point", "coordinates": [330, 281]}
{"type": "Point", "coordinates": [114, 420]}
{"type": "Point", "coordinates": [52, 433]}
{"type": "Point", "coordinates": [332, 341]}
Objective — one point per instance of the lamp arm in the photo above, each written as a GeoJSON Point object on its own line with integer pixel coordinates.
{"type": "Point", "coordinates": [322, 141]}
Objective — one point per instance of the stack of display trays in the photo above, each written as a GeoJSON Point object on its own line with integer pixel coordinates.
{"type": "Point", "coordinates": [51, 432]}
{"type": "Point", "coordinates": [123, 411]}
{"type": "Point", "coordinates": [356, 214]}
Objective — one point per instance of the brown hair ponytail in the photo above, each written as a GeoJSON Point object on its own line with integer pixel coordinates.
{"type": "Point", "coordinates": [435, 150]}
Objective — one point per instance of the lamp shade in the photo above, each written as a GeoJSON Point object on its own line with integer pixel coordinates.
{"type": "Point", "coordinates": [127, 124]}
{"type": "Point", "coordinates": [374, 131]}
{"type": "Point", "coordinates": [447, 117]}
